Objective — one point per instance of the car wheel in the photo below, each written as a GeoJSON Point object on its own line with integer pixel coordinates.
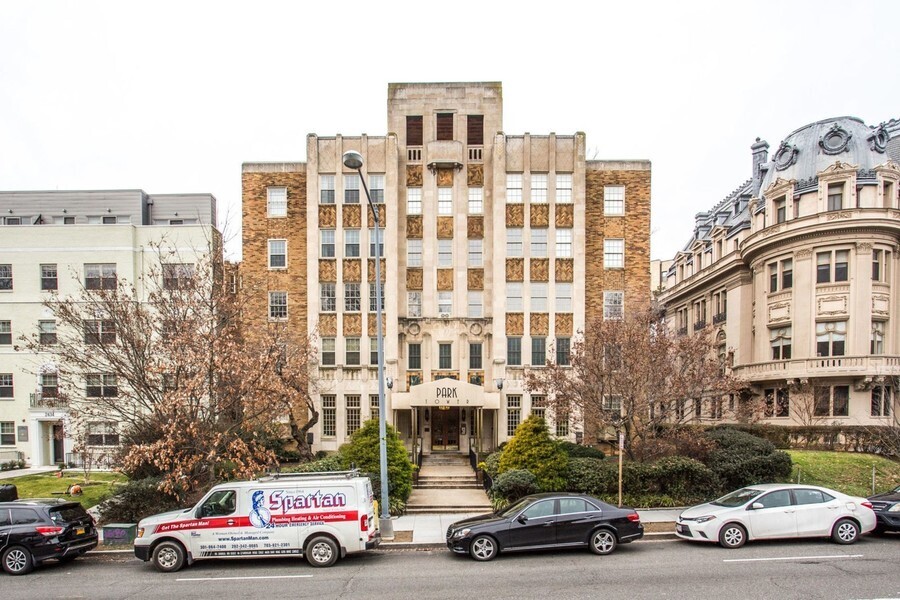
{"type": "Point", "coordinates": [321, 551]}
{"type": "Point", "coordinates": [603, 541]}
{"type": "Point", "coordinates": [168, 557]}
{"type": "Point", "coordinates": [17, 561]}
{"type": "Point", "coordinates": [845, 531]}
{"type": "Point", "coordinates": [483, 547]}
{"type": "Point", "coordinates": [732, 536]}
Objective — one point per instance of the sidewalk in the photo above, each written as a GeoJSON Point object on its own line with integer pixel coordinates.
{"type": "Point", "coordinates": [30, 471]}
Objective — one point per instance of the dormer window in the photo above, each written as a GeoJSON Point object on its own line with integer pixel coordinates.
{"type": "Point", "coordinates": [780, 210]}
{"type": "Point", "coordinates": [835, 196]}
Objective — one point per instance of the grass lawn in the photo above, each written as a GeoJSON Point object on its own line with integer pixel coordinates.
{"type": "Point", "coordinates": [45, 484]}
{"type": "Point", "coordinates": [848, 472]}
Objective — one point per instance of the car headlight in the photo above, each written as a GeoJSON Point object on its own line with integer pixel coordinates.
{"type": "Point", "coordinates": [461, 533]}
{"type": "Point", "coordinates": [894, 508]}
{"type": "Point", "coordinates": [705, 518]}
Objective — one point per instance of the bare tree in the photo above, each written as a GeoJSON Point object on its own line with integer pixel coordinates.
{"type": "Point", "coordinates": [637, 375]}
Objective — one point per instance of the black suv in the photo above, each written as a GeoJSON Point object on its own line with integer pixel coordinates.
{"type": "Point", "coordinates": [887, 510]}
{"type": "Point", "coordinates": [32, 531]}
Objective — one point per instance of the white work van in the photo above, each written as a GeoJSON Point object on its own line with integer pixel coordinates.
{"type": "Point", "coordinates": [321, 516]}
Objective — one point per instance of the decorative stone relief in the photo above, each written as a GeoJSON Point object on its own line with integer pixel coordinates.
{"type": "Point", "coordinates": [445, 228]}
{"type": "Point", "coordinates": [835, 140]}
{"type": "Point", "coordinates": [831, 305]}
{"type": "Point", "coordinates": [352, 325]}
{"type": "Point", "coordinates": [371, 269]}
{"type": "Point", "coordinates": [475, 175]}
{"type": "Point", "coordinates": [540, 215]}
{"type": "Point", "coordinates": [445, 177]}
{"type": "Point", "coordinates": [328, 216]}
{"type": "Point", "coordinates": [475, 279]}
{"type": "Point", "coordinates": [565, 269]}
{"type": "Point", "coordinates": [352, 216]}
{"type": "Point", "coordinates": [414, 279]}
{"type": "Point", "coordinates": [381, 215]}
{"type": "Point", "coordinates": [835, 215]}
{"type": "Point", "coordinates": [881, 304]}
{"type": "Point", "coordinates": [785, 156]}
{"type": "Point", "coordinates": [515, 269]}
{"type": "Point", "coordinates": [413, 175]}
{"type": "Point", "coordinates": [352, 270]}
{"type": "Point", "coordinates": [879, 138]}
{"type": "Point", "coordinates": [772, 230]}
{"type": "Point", "coordinates": [540, 324]}
{"type": "Point", "coordinates": [476, 329]}
{"type": "Point", "coordinates": [413, 329]}
{"type": "Point", "coordinates": [327, 325]}
{"type": "Point", "coordinates": [564, 324]}
{"type": "Point", "coordinates": [804, 253]}
{"type": "Point", "coordinates": [515, 324]}
{"type": "Point", "coordinates": [565, 215]}
{"type": "Point", "coordinates": [779, 312]}
{"type": "Point", "coordinates": [475, 227]}
{"type": "Point", "coordinates": [864, 247]}
{"type": "Point", "coordinates": [414, 227]}
{"type": "Point", "coordinates": [328, 271]}
{"type": "Point", "coordinates": [515, 215]}
{"type": "Point", "coordinates": [372, 325]}
{"type": "Point", "coordinates": [539, 269]}
{"type": "Point", "coordinates": [444, 280]}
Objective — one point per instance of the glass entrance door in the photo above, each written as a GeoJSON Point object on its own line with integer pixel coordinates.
{"type": "Point", "coordinates": [445, 429]}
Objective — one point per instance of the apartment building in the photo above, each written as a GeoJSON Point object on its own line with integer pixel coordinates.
{"type": "Point", "coordinates": [497, 250]}
{"type": "Point", "coordinates": [796, 270]}
{"type": "Point", "coordinates": [52, 244]}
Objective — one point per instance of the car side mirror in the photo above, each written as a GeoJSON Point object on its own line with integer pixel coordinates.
{"type": "Point", "coordinates": [757, 506]}
{"type": "Point", "coordinates": [522, 519]}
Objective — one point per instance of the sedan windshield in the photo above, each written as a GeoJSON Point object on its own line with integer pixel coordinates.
{"type": "Point", "coordinates": [737, 498]}
{"type": "Point", "coordinates": [515, 508]}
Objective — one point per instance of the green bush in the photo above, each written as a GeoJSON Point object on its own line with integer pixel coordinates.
{"type": "Point", "coordinates": [533, 449]}
{"type": "Point", "coordinates": [742, 459]}
{"type": "Point", "coordinates": [686, 479]}
{"type": "Point", "coordinates": [363, 453]}
{"type": "Point", "coordinates": [326, 464]}
{"type": "Point", "coordinates": [492, 464]}
{"type": "Point", "coordinates": [592, 476]}
{"type": "Point", "coordinates": [512, 485]}
{"type": "Point", "coordinates": [579, 451]}
{"type": "Point", "coordinates": [137, 499]}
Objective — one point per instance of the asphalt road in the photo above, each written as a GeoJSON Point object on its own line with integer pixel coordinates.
{"type": "Point", "coordinates": [646, 569]}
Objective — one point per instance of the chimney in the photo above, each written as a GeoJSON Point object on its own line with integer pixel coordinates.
{"type": "Point", "coordinates": [760, 150]}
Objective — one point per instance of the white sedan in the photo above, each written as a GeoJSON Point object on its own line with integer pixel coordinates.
{"type": "Point", "coordinates": [777, 510]}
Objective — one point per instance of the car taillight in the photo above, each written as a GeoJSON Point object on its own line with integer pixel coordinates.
{"type": "Point", "coordinates": [364, 523]}
{"type": "Point", "coordinates": [48, 531]}
{"type": "Point", "coordinates": [634, 517]}
{"type": "Point", "coordinates": [868, 505]}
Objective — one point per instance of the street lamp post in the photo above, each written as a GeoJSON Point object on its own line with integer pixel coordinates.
{"type": "Point", "coordinates": [354, 160]}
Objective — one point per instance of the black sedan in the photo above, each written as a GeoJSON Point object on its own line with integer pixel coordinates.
{"type": "Point", "coordinates": [887, 510]}
{"type": "Point", "coordinates": [545, 521]}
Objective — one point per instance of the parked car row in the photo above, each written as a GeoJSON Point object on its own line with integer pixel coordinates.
{"type": "Point", "coordinates": [325, 516]}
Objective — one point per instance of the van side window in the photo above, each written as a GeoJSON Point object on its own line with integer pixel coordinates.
{"type": "Point", "coordinates": [220, 503]}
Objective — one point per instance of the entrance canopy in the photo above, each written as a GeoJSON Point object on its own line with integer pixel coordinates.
{"type": "Point", "coordinates": [445, 392]}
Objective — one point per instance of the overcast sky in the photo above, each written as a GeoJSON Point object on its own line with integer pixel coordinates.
{"type": "Point", "coordinates": [173, 97]}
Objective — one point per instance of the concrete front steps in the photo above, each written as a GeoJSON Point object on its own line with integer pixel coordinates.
{"type": "Point", "coordinates": [447, 484]}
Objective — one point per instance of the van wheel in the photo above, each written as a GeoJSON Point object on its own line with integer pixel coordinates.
{"type": "Point", "coordinates": [321, 551]}
{"type": "Point", "coordinates": [17, 561]}
{"type": "Point", "coordinates": [168, 557]}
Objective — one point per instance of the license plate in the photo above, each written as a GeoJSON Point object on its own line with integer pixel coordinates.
{"type": "Point", "coordinates": [79, 531]}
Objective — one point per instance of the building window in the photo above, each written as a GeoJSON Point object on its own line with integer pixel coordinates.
{"type": "Point", "coordinates": [612, 403]}
{"type": "Point", "coordinates": [414, 130]}
{"type": "Point", "coordinates": [563, 346]}
{"type": "Point", "coordinates": [49, 385]}
{"type": "Point", "coordinates": [475, 358]}
{"type": "Point", "coordinates": [563, 243]}
{"type": "Point", "coordinates": [101, 385]}
{"type": "Point", "coordinates": [445, 201]}
{"type": "Point", "coordinates": [329, 415]}
{"type": "Point", "coordinates": [373, 404]}
{"type": "Point", "coordinates": [514, 188]}
{"type": "Point", "coordinates": [7, 432]}
{"type": "Point", "coordinates": [514, 351]}
{"type": "Point", "coordinates": [444, 127]}
{"type": "Point", "coordinates": [372, 242]}
{"type": "Point", "coordinates": [832, 401]}
{"type": "Point", "coordinates": [513, 414]}
{"type": "Point", "coordinates": [413, 253]}
{"type": "Point", "coordinates": [476, 253]}
{"type": "Point", "coordinates": [563, 297]}
{"type": "Point", "coordinates": [613, 253]}
{"type": "Point", "coordinates": [475, 309]}
{"type": "Point", "coordinates": [445, 357]}
{"type": "Point", "coordinates": [414, 303]}
{"type": "Point", "coordinates": [781, 274]}
{"type": "Point", "coordinates": [415, 357]}
{"type": "Point", "coordinates": [278, 308]}
{"type": "Point", "coordinates": [351, 243]}
{"type": "Point", "coordinates": [476, 200]}
{"type": "Point", "coordinates": [614, 200]}
{"type": "Point", "coordinates": [327, 297]}
{"type": "Point", "coordinates": [46, 332]}
{"type": "Point", "coordinates": [445, 253]}
{"type": "Point", "coordinates": [177, 276]}
{"type": "Point", "coordinates": [613, 309]}
{"type": "Point", "coordinates": [882, 398]}
{"type": "Point", "coordinates": [353, 413]}
{"type": "Point", "coordinates": [99, 331]}
{"type": "Point", "coordinates": [835, 196]}
{"type": "Point", "coordinates": [475, 130]}
{"type": "Point", "coordinates": [352, 352]}
{"type": "Point", "coordinates": [513, 243]}
{"type": "Point", "coordinates": [102, 433]}
{"type": "Point", "coordinates": [877, 342]}
{"type": "Point", "coordinates": [277, 254]}
{"type": "Point", "coordinates": [824, 272]}
{"type": "Point", "coordinates": [539, 407]}
{"type": "Point", "coordinates": [373, 351]}
{"type": "Point", "coordinates": [538, 351]}
{"type": "Point", "coordinates": [6, 385]}
{"type": "Point", "coordinates": [326, 189]}
{"type": "Point", "coordinates": [562, 424]}
{"type": "Point", "coordinates": [830, 338]}
{"type": "Point", "coordinates": [780, 341]}
{"type": "Point", "coordinates": [778, 403]}
{"type": "Point", "coordinates": [49, 280]}
{"type": "Point", "coordinates": [100, 276]}
{"type": "Point", "coordinates": [514, 301]}
{"type": "Point", "coordinates": [539, 243]}
{"type": "Point", "coordinates": [376, 188]}
{"type": "Point", "coordinates": [351, 189]}
{"type": "Point", "coordinates": [352, 297]}
{"type": "Point", "coordinates": [445, 303]}
{"type": "Point", "coordinates": [780, 210]}
{"type": "Point", "coordinates": [414, 201]}
{"type": "Point", "coordinates": [276, 201]}
{"type": "Point", "coordinates": [538, 297]}
{"type": "Point", "coordinates": [539, 188]}
{"type": "Point", "coordinates": [6, 278]}
{"type": "Point", "coordinates": [329, 356]}
{"type": "Point", "coordinates": [373, 301]}
{"type": "Point", "coordinates": [880, 262]}
{"type": "Point", "coordinates": [327, 247]}
{"type": "Point", "coordinates": [5, 333]}
{"type": "Point", "coordinates": [563, 188]}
